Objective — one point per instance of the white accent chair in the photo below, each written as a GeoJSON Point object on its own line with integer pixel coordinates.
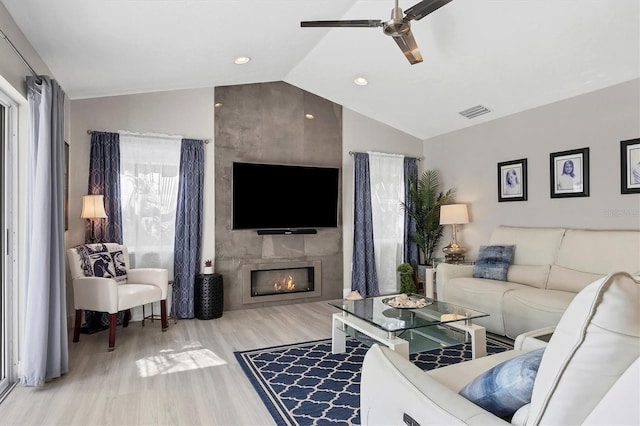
{"type": "Point", "coordinates": [589, 372]}
{"type": "Point", "coordinates": [116, 288]}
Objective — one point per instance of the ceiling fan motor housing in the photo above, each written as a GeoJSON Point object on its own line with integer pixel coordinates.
{"type": "Point", "coordinates": [396, 26]}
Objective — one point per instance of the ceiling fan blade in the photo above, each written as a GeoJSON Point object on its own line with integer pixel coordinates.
{"type": "Point", "coordinates": [358, 23]}
{"type": "Point", "coordinates": [409, 47]}
{"type": "Point", "coordinates": [422, 9]}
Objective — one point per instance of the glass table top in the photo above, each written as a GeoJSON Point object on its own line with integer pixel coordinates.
{"type": "Point", "coordinates": [378, 313]}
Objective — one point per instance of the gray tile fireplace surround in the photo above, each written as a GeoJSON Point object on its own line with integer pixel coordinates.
{"type": "Point", "coordinates": [264, 123]}
{"type": "Point", "coordinates": [266, 252]}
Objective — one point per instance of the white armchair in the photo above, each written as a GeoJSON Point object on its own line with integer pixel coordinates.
{"type": "Point", "coordinates": [103, 282]}
{"type": "Point", "coordinates": [589, 372]}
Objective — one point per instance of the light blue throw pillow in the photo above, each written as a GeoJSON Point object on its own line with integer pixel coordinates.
{"type": "Point", "coordinates": [493, 262]}
{"type": "Point", "coordinates": [506, 387]}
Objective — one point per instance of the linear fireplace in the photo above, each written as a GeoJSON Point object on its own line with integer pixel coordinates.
{"type": "Point", "coordinates": [267, 282]}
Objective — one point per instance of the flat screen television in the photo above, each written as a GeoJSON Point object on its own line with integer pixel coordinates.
{"type": "Point", "coordinates": [274, 196]}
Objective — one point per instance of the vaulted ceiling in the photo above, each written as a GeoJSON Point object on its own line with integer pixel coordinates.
{"type": "Point", "coordinates": [507, 55]}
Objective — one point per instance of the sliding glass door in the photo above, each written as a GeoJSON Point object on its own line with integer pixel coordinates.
{"type": "Point", "coordinates": [8, 244]}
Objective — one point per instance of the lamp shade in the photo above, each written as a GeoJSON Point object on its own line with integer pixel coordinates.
{"type": "Point", "coordinates": [93, 207]}
{"type": "Point", "coordinates": [454, 214]}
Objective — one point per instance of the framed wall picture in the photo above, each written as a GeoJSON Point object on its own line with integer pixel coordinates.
{"type": "Point", "coordinates": [512, 180]}
{"type": "Point", "coordinates": [630, 166]}
{"type": "Point", "coordinates": [569, 173]}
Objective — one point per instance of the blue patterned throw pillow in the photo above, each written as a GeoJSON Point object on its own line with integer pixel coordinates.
{"type": "Point", "coordinates": [98, 261]}
{"type": "Point", "coordinates": [506, 387]}
{"type": "Point", "coordinates": [118, 264]}
{"type": "Point", "coordinates": [102, 265]}
{"type": "Point", "coordinates": [85, 252]}
{"type": "Point", "coordinates": [493, 262]}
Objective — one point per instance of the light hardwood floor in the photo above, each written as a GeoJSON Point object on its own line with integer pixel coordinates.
{"type": "Point", "coordinates": [185, 376]}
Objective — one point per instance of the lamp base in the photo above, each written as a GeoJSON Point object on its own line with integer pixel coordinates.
{"type": "Point", "coordinates": [454, 252]}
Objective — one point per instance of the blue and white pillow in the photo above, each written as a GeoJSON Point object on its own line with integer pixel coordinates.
{"type": "Point", "coordinates": [506, 387]}
{"type": "Point", "coordinates": [102, 265]}
{"type": "Point", "coordinates": [98, 261]}
{"type": "Point", "coordinates": [493, 262]}
{"type": "Point", "coordinates": [85, 251]}
{"type": "Point", "coordinates": [119, 265]}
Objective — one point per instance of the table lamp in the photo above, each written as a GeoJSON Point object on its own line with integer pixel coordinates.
{"type": "Point", "coordinates": [93, 208]}
{"type": "Point", "coordinates": [454, 214]}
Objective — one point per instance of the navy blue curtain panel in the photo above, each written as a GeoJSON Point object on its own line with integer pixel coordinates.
{"type": "Point", "coordinates": [410, 246]}
{"type": "Point", "coordinates": [189, 212]}
{"type": "Point", "coordinates": [363, 275]}
{"type": "Point", "coordinates": [104, 179]}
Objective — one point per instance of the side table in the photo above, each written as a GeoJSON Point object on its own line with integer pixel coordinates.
{"type": "Point", "coordinates": [209, 296]}
{"type": "Point", "coordinates": [171, 285]}
{"type": "Point", "coordinates": [430, 279]}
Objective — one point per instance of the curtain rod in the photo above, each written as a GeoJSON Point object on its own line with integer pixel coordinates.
{"type": "Point", "coordinates": [15, 49]}
{"type": "Point", "coordinates": [389, 153]}
{"type": "Point", "coordinates": [89, 132]}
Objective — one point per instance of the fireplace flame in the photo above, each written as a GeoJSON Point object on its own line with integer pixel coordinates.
{"type": "Point", "coordinates": [287, 283]}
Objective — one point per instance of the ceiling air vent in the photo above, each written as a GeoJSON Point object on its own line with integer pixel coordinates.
{"type": "Point", "coordinates": [474, 111]}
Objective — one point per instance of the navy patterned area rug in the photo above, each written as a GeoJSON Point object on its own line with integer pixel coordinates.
{"type": "Point", "coordinates": [305, 384]}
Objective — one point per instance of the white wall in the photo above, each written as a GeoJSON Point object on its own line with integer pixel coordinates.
{"type": "Point", "coordinates": [467, 160]}
{"type": "Point", "coordinates": [362, 134]}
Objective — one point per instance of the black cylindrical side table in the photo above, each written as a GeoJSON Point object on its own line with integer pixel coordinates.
{"type": "Point", "coordinates": [209, 300]}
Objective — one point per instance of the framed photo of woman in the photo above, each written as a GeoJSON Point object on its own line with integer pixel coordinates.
{"type": "Point", "coordinates": [512, 180]}
{"type": "Point", "coordinates": [569, 173]}
{"type": "Point", "coordinates": [630, 166]}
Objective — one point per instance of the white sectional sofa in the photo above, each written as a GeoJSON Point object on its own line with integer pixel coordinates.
{"type": "Point", "coordinates": [589, 372]}
{"type": "Point", "coordinates": [549, 266]}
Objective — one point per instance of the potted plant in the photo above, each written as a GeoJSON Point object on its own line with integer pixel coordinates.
{"type": "Point", "coordinates": [425, 200]}
{"type": "Point", "coordinates": [407, 284]}
{"type": "Point", "coordinates": [208, 267]}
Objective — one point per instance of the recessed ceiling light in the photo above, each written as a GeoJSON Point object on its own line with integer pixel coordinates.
{"type": "Point", "coordinates": [241, 60]}
{"type": "Point", "coordinates": [217, 104]}
{"type": "Point", "coordinates": [309, 116]}
{"type": "Point", "coordinates": [361, 81]}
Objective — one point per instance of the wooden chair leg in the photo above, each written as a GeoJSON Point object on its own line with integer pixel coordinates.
{"type": "Point", "coordinates": [113, 319]}
{"type": "Point", "coordinates": [163, 315]}
{"type": "Point", "coordinates": [76, 326]}
{"type": "Point", "coordinates": [127, 318]}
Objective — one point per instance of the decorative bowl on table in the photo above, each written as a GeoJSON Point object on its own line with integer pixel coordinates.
{"type": "Point", "coordinates": [406, 301]}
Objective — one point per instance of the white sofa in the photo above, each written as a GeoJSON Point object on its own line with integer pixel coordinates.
{"type": "Point", "coordinates": [549, 266]}
{"type": "Point", "coordinates": [589, 372]}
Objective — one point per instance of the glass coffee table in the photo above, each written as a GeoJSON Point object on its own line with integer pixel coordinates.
{"type": "Point", "coordinates": [406, 330]}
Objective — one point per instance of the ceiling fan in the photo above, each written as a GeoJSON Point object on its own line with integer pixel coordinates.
{"type": "Point", "coordinates": [398, 27]}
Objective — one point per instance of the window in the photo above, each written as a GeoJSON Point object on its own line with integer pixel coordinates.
{"type": "Point", "coordinates": [149, 171]}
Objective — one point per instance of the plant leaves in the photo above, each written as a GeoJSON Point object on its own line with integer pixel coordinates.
{"type": "Point", "coordinates": [423, 206]}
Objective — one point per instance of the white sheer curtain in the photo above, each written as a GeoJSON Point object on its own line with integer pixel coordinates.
{"type": "Point", "coordinates": [149, 166]}
{"type": "Point", "coordinates": [387, 190]}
